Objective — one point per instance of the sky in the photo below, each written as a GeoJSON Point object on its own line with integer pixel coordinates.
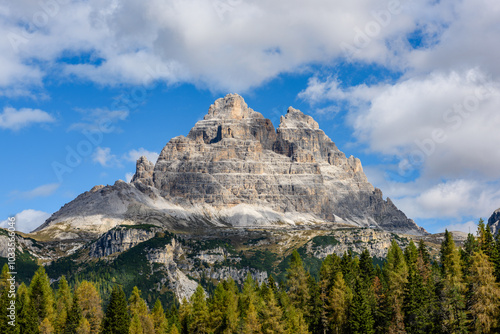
{"type": "Point", "coordinates": [412, 88]}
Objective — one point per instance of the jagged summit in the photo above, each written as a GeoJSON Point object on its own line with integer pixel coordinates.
{"type": "Point", "coordinates": [235, 169]}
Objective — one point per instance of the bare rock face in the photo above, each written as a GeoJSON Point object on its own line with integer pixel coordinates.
{"type": "Point", "coordinates": [494, 222]}
{"type": "Point", "coordinates": [234, 156]}
{"type": "Point", "coordinates": [234, 169]}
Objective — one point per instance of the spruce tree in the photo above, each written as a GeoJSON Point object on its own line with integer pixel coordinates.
{"type": "Point", "coordinates": [360, 314]}
{"type": "Point", "coordinates": [116, 320]}
{"type": "Point", "coordinates": [296, 283]}
{"type": "Point", "coordinates": [74, 317]}
{"type": "Point", "coordinates": [185, 316]}
{"type": "Point", "coordinates": [396, 276]}
{"type": "Point", "coordinates": [26, 315]}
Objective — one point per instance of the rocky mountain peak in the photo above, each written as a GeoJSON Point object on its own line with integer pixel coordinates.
{"type": "Point", "coordinates": [235, 169]}
{"type": "Point", "coordinates": [295, 118]}
{"type": "Point", "coordinates": [230, 107]}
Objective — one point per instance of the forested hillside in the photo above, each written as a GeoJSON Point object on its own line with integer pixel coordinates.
{"type": "Point", "coordinates": [410, 293]}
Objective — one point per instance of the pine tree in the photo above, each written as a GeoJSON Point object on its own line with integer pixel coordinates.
{"type": "Point", "coordinates": [296, 283]}
{"type": "Point", "coordinates": [485, 295]}
{"type": "Point", "coordinates": [116, 319]}
{"type": "Point", "coordinates": [5, 303]}
{"type": "Point", "coordinates": [200, 319]}
{"type": "Point", "coordinates": [41, 295]}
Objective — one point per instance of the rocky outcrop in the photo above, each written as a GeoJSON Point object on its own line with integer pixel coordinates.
{"type": "Point", "coordinates": [494, 222]}
{"type": "Point", "coordinates": [120, 239]}
{"type": "Point", "coordinates": [234, 169]}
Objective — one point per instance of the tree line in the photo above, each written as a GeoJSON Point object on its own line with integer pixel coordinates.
{"type": "Point", "coordinates": [410, 293]}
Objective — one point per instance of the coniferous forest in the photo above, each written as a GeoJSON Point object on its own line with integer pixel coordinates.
{"type": "Point", "coordinates": [410, 293]}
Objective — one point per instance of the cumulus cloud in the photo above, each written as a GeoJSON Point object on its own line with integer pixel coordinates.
{"type": "Point", "coordinates": [103, 156]}
{"type": "Point", "coordinates": [15, 119]}
{"type": "Point", "coordinates": [442, 124]}
{"type": "Point", "coordinates": [134, 155]}
{"type": "Point", "coordinates": [27, 220]}
{"type": "Point", "coordinates": [221, 45]}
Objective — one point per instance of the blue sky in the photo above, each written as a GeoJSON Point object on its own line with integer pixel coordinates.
{"type": "Point", "coordinates": [412, 88]}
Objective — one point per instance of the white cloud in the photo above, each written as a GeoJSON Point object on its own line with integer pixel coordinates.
{"type": "Point", "coordinates": [28, 220]}
{"type": "Point", "coordinates": [129, 176]}
{"type": "Point", "coordinates": [213, 44]}
{"type": "Point", "coordinates": [134, 155]}
{"type": "Point", "coordinates": [41, 191]}
{"type": "Point", "coordinates": [14, 119]}
{"type": "Point", "coordinates": [442, 124]}
{"type": "Point", "coordinates": [468, 227]}
{"type": "Point", "coordinates": [99, 119]}
{"type": "Point", "coordinates": [103, 156]}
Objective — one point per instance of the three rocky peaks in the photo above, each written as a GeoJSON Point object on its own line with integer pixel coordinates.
{"type": "Point", "coordinates": [234, 169]}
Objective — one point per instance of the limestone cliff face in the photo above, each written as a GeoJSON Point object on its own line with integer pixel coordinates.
{"type": "Point", "coordinates": [235, 169]}
{"type": "Point", "coordinates": [235, 156]}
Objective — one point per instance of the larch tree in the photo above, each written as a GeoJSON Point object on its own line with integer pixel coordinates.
{"type": "Point", "coordinates": [90, 304]}
{"type": "Point", "coordinates": [159, 318]}
{"type": "Point", "coordinates": [200, 316]}
{"type": "Point", "coordinates": [137, 306]}
{"type": "Point", "coordinates": [396, 276]}
{"type": "Point", "coordinates": [485, 295]}
{"type": "Point", "coordinates": [453, 316]}
{"type": "Point", "coordinates": [251, 323]}
{"type": "Point", "coordinates": [64, 301]}
{"type": "Point", "coordinates": [338, 303]}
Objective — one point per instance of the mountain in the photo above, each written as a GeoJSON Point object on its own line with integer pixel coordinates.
{"type": "Point", "coordinates": [234, 169]}
{"type": "Point", "coordinates": [494, 222]}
